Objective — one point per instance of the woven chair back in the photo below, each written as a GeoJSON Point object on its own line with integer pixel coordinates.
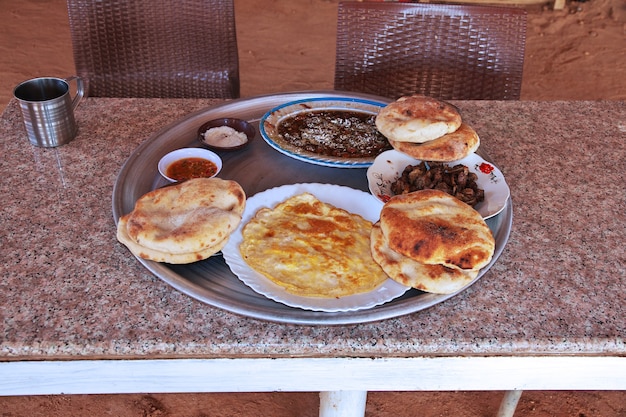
{"type": "Point", "coordinates": [156, 48]}
{"type": "Point", "coordinates": [451, 52]}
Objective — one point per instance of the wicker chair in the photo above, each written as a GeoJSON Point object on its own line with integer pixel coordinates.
{"type": "Point", "coordinates": [451, 52]}
{"type": "Point", "coordinates": [156, 48]}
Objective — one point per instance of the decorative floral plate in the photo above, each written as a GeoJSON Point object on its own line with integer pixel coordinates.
{"type": "Point", "coordinates": [388, 167]}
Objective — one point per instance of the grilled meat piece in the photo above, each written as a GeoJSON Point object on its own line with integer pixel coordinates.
{"type": "Point", "coordinates": [455, 180]}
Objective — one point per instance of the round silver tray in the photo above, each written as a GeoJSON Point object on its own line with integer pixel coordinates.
{"type": "Point", "coordinates": [257, 168]}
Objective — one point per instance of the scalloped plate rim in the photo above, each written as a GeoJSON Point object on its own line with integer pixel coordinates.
{"type": "Point", "coordinates": [355, 201]}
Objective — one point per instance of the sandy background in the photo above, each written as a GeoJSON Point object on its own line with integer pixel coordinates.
{"type": "Point", "coordinates": [576, 53]}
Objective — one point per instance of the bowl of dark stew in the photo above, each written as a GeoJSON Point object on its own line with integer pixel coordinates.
{"type": "Point", "coordinates": [330, 131]}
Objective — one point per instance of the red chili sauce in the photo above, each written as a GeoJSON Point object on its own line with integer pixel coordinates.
{"type": "Point", "coordinates": [188, 168]}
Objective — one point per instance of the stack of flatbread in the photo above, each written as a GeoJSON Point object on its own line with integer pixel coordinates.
{"type": "Point", "coordinates": [183, 223]}
{"type": "Point", "coordinates": [427, 129]}
{"type": "Point", "coordinates": [431, 241]}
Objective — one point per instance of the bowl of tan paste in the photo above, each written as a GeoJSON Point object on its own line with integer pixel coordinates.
{"type": "Point", "coordinates": [226, 134]}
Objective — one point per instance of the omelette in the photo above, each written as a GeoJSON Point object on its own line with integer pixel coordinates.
{"type": "Point", "coordinates": [311, 248]}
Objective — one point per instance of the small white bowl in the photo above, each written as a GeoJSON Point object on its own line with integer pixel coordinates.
{"type": "Point", "coordinates": [183, 153]}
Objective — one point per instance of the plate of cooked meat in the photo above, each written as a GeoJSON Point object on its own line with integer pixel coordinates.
{"type": "Point", "coordinates": [472, 179]}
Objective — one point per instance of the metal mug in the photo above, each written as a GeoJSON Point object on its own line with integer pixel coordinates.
{"type": "Point", "coordinates": [48, 109]}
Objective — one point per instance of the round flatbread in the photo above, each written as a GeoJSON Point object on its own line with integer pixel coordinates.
{"type": "Point", "coordinates": [433, 227]}
{"type": "Point", "coordinates": [417, 119]}
{"type": "Point", "coordinates": [436, 279]}
{"type": "Point", "coordinates": [158, 256]}
{"type": "Point", "coordinates": [188, 217]}
{"type": "Point", "coordinates": [450, 147]}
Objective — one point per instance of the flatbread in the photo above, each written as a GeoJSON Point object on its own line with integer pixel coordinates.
{"type": "Point", "coordinates": [158, 256]}
{"type": "Point", "coordinates": [186, 218]}
{"type": "Point", "coordinates": [311, 248]}
{"type": "Point", "coordinates": [433, 227]}
{"type": "Point", "coordinates": [417, 119]}
{"type": "Point", "coordinates": [183, 223]}
{"type": "Point", "coordinates": [436, 279]}
{"type": "Point", "coordinates": [450, 147]}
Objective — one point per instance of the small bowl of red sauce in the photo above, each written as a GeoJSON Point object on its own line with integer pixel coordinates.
{"type": "Point", "coordinates": [187, 163]}
{"type": "Point", "coordinates": [226, 134]}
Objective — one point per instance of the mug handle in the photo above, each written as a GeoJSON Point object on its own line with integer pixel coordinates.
{"type": "Point", "coordinates": [80, 90]}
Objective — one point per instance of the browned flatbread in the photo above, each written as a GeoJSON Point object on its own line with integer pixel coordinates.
{"type": "Point", "coordinates": [158, 256]}
{"type": "Point", "coordinates": [183, 223]}
{"type": "Point", "coordinates": [188, 217]}
{"type": "Point", "coordinates": [417, 119]}
{"type": "Point", "coordinates": [450, 147]}
{"type": "Point", "coordinates": [436, 279]}
{"type": "Point", "coordinates": [433, 227]}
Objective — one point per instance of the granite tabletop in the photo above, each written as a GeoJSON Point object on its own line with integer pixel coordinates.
{"type": "Point", "coordinates": [69, 290]}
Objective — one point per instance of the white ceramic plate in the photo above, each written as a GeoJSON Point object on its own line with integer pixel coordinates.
{"type": "Point", "coordinates": [349, 199]}
{"type": "Point", "coordinates": [388, 167]}
{"type": "Point", "coordinates": [271, 120]}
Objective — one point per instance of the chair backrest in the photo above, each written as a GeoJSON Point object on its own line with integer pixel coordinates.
{"type": "Point", "coordinates": [450, 52]}
{"type": "Point", "coordinates": [155, 48]}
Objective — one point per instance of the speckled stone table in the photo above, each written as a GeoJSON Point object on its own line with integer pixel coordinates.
{"type": "Point", "coordinates": [79, 314]}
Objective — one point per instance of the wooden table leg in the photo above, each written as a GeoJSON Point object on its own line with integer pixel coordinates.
{"type": "Point", "coordinates": [342, 403]}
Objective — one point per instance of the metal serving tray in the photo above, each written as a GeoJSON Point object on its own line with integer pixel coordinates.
{"type": "Point", "coordinates": [259, 167]}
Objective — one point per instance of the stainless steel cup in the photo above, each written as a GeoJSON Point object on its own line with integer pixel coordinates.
{"type": "Point", "coordinates": [48, 109]}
